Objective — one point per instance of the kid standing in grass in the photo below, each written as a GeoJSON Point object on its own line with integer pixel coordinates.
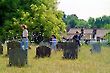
{"type": "Point", "coordinates": [54, 42]}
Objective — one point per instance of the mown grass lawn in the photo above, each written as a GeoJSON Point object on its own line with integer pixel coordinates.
{"type": "Point", "coordinates": [86, 63]}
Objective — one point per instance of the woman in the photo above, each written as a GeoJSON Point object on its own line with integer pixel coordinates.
{"type": "Point", "coordinates": [24, 42]}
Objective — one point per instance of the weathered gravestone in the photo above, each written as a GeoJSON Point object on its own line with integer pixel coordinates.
{"type": "Point", "coordinates": [1, 49]}
{"type": "Point", "coordinates": [43, 51]}
{"type": "Point", "coordinates": [96, 47]}
{"type": "Point", "coordinates": [70, 49]}
{"type": "Point", "coordinates": [9, 46]}
{"type": "Point", "coordinates": [17, 56]}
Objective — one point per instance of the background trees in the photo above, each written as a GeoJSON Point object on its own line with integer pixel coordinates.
{"type": "Point", "coordinates": [73, 21]}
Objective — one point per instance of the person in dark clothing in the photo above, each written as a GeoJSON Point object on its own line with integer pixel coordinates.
{"type": "Point", "coordinates": [82, 32]}
{"type": "Point", "coordinates": [77, 37]}
{"type": "Point", "coordinates": [94, 33]}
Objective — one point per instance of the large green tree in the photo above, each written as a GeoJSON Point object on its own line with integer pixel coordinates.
{"type": "Point", "coordinates": [41, 16]}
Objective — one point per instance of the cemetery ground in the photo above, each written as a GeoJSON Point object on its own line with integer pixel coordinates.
{"type": "Point", "coordinates": [86, 62]}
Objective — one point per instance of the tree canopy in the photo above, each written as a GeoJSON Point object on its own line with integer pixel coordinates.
{"type": "Point", "coordinates": [73, 21]}
{"type": "Point", "coordinates": [41, 16]}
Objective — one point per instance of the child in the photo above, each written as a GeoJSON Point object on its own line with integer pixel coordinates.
{"type": "Point", "coordinates": [54, 42]}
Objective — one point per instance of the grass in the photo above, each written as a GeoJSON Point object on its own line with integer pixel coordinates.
{"type": "Point", "coordinates": [86, 63]}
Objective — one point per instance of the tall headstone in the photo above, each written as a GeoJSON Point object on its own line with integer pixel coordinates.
{"type": "Point", "coordinates": [70, 50]}
{"type": "Point", "coordinates": [17, 56]}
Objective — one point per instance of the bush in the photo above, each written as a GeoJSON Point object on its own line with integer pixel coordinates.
{"type": "Point", "coordinates": [108, 38]}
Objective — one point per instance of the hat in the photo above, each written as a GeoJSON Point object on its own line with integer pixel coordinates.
{"type": "Point", "coordinates": [24, 26]}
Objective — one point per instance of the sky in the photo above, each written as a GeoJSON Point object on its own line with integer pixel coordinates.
{"type": "Point", "coordinates": [85, 8]}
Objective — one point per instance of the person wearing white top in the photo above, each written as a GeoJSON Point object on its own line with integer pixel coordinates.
{"type": "Point", "coordinates": [54, 42]}
{"type": "Point", "coordinates": [24, 42]}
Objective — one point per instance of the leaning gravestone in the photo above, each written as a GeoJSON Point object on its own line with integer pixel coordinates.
{"type": "Point", "coordinates": [17, 56]}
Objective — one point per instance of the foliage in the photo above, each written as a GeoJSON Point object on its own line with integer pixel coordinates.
{"type": "Point", "coordinates": [99, 22]}
{"type": "Point", "coordinates": [41, 16]}
{"type": "Point", "coordinates": [91, 22]}
{"type": "Point", "coordinates": [108, 38]}
{"type": "Point", "coordinates": [107, 26]}
{"type": "Point", "coordinates": [82, 23]}
{"type": "Point", "coordinates": [73, 21]}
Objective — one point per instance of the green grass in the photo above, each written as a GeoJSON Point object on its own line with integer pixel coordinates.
{"type": "Point", "coordinates": [86, 63]}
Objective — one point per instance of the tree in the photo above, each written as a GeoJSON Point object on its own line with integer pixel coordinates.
{"type": "Point", "coordinates": [105, 19]}
{"type": "Point", "coordinates": [98, 22]}
{"type": "Point", "coordinates": [71, 20]}
{"type": "Point", "coordinates": [107, 26]}
{"type": "Point", "coordinates": [91, 22]}
{"type": "Point", "coordinates": [7, 12]}
{"type": "Point", "coordinates": [82, 23]}
{"type": "Point", "coordinates": [41, 16]}
{"type": "Point", "coordinates": [107, 37]}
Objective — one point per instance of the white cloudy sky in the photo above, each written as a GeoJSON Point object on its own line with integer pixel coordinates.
{"type": "Point", "coordinates": [85, 8]}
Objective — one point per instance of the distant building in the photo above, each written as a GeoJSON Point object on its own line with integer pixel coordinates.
{"type": "Point", "coordinates": [87, 33]}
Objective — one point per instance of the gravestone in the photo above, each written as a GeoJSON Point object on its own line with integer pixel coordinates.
{"type": "Point", "coordinates": [1, 49]}
{"type": "Point", "coordinates": [96, 47]}
{"type": "Point", "coordinates": [43, 51]}
{"type": "Point", "coordinates": [17, 56]}
{"type": "Point", "coordinates": [70, 50]}
{"type": "Point", "coordinates": [10, 45]}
